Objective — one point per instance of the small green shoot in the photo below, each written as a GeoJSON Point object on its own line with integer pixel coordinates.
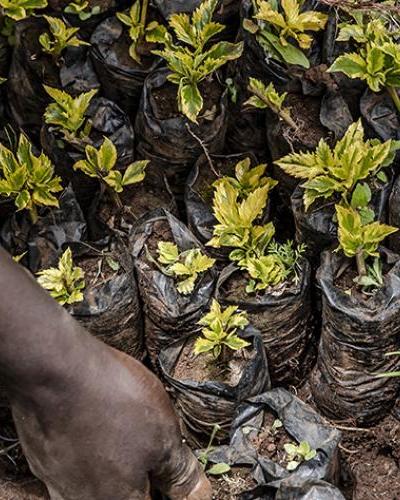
{"type": "Point", "coordinates": [296, 454]}
{"type": "Point", "coordinates": [59, 38]}
{"type": "Point", "coordinates": [82, 9]}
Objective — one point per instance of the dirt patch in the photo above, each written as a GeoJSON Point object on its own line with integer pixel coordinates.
{"type": "Point", "coordinates": [165, 98]}
{"type": "Point", "coordinates": [230, 485]}
{"type": "Point", "coordinates": [160, 232]}
{"type": "Point", "coordinates": [206, 178]}
{"type": "Point", "coordinates": [24, 489]}
{"type": "Point", "coordinates": [204, 368]}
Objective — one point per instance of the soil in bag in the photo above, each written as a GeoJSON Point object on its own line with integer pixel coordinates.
{"type": "Point", "coordinates": [168, 314]}
{"type": "Point", "coordinates": [264, 424]}
{"type": "Point", "coordinates": [110, 309]}
{"type": "Point", "coordinates": [357, 331]}
{"type": "Point", "coordinates": [122, 78]}
{"type": "Point", "coordinates": [107, 120]}
{"type": "Point", "coordinates": [31, 68]}
{"type": "Point", "coordinates": [284, 317]}
{"type": "Point", "coordinates": [164, 135]}
{"type": "Point", "coordinates": [207, 391]}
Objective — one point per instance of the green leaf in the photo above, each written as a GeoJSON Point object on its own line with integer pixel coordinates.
{"type": "Point", "coordinates": [168, 252]}
{"type": "Point", "coordinates": [289, 53]}
{"type": "Point", "coordinates": [352, 65]}
{"type": "Point", "coordinates": [135, 172]}
{"type": "Point", "coordinates": [190, 101]}
{"type": "Point", "coordinates": [218, 469]}
{"type": "Point", "coordinates": [361, 196]}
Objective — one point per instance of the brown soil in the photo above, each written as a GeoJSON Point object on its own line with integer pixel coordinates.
{"type": "Point", "coordinates": [166, 102]}
{"type": "Point", "coordinates": [204, 368]}
{"type": "Point", "coordinates": [369, 457]}
{"type": "Point", "coordinates": [97, 270]}
{"type": "Point", "coordinates": [29, 488]}
{"type": "Point", "coordinates": [234, 288]}
{"type": "Point", "coordinates": [270, 443]}
{"type": "Point", "coordinates": [160, 232]}
{"type": "Point", "coordinates": [305, 112]}
{"type": "Point", "coordinates": [230, 485]}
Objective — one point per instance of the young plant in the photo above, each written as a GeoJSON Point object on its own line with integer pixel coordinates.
{"type": "Point", "coordinates": [337, 171]}
{"type": "Point", "coordinates": [279, 27]}
{"type": "Point", "coordinates": [267, 97]}
{"type": "Point", "coordinates": [191, 63]}
{"type": "Point", "coordinates": [184, 267]}
{"type": "Point", "coordinates": [101, 164]}
{"type": "Point", "coordinates": [28, 179]}
{"type": "Point", "coordinates": [220, 330]}
{"type": "Point", "coordinates": [377, 61]}
{"type": "Point", "coordinates": [81, 9]}
{"type": "Point", "coordinates": [136, 21]}
{"type": "Point", "coordinates": [360, 240]}
{"type": "Point", "coordinates": [20, 9]}
{"type": "Point", "coordinates": [216, 469]}
{"type": "Point", "coordinates": [65, 282]}
{"type": "Point", "coordinates": [236, 226]}
{"type": "Point", "coordinates": [297, 454]}
{"type": "Point", "coordinates": [60, 37]}
{"type": "Point", "coordinates": [67, 113]}
{"type": "Point", "coordinates": [248, 179]}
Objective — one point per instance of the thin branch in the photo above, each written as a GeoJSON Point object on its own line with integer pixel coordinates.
{"type": "Point", "coordinates": [362, 5]}
{"type": "Point", "coordinates": [210, 162]}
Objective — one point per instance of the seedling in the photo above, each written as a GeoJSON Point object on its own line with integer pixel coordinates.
{"type": "Point", "coordinates": [216, 469]}
{"type": "Point", "coordinates": [297, 454]}
{"type": "Point", "coordinates": [279, 27]}
{"type": "Point", "coordinates": [289, 254]}
{"type": "Point", "coordinates": [20, 9]}
{"type": "Point", "coordinates": [192, 63]}
{"type": "Point", "coordinates": [185, 267]}
{"type": "Point", "coordinates": [60, 37]}
{"type": "Point", "coordinates": [247, 179]}
{"type": "Point", "coordinates": [81, 9]}
{"type": "Point", "coordinates": [236, 226]}
{"type": "Point", "coordinates": [136, 21]}
{"type": "Point", "coordinates": [267, 97]}
{"type": "Point", "coordinates": [360, 240]}
{"type": "Point", "coordinates": [65, 282]}
{"type": "Point", "coordinates": [329, 171]}
{"type": "Point", "coordinates": [67, 114]}
{"type": "Point", "coordinates": [219, 332]}
{"type": "Point", "coordinates": [276, 425]}
{"type": "Point", "coordinates": [377, 61]}
{"type": "Point", "coordinates": [101, 164]}
{"type": "Point", "coordinates": [28, 179]}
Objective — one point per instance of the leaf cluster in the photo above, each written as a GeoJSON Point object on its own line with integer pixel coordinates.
{"type": "Point", "coordinates": [276, 23]}
{"type": "Point", "coordinates": [220, 327]}
{"type": "Point", "coordinates": [82, 9]}
{"type": "Point", "coordinates": [298, 453]}
{"type": "Point", "coordinates": [377, 60]}
{"type": "Point", "coordinates": [68, 113]}
{"type": "Point", "coordinates": [185, 267]}
{"type": "Point", "coordinates": [137, 28]}
{"type": "Point", "coordinates": [64, 282]}
{"type": "Point", "coordinates": [20, 9]}
{"type": "Point", "coordinates": [191, 62]}
{"type": "Point", "coordinates": [336, 171]}
{"type": "Point", "coordinates": [356, 238]}
{"type": "Point", "coordinates": [27, 178]}
{"type": "Point", "coordinates": [60, 37]}
{"type": "Point", "coordinates": [248, 178]}
{"type": "Point", "coordinates": [101, 164]}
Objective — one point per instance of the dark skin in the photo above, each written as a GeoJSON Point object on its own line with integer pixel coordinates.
{"type": "Point", "coordinates": [94, 423]}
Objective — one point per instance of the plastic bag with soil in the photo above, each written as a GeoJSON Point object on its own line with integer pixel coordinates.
{"type": "Point", "coordinates": [162, 131]}
{"type": "Point", "coordinates": [206, 392]}
{"type": "Point", "coordinates": [168, 315]}
{"type": "Point", "coordinates": [357, 331]}
{"type": "Point", "coordinates": [199, 193]}
{"type": "Point", "coordinates": [394, 215]}
{"type": "Point", "coordinates": [284, 318]}
{"type": "Point", "coordinates": [31, 68]}
{"type": "Point", "coordinates": [43, 241]}
{"type": "Point", "coordinates": [255, 434]}
{"type": "Point", "coordinates": [137, 200]}
{"type": "Point", "coordinates": [108, 120]}
{"type": "Point", "coordinates": [121, 77]}
{"type": "Point", "coordinates": [380, 115]}
{"type": "Point", "coordinates": [316, 227]}
{"type": "Point", "coordinates": [111, 308]}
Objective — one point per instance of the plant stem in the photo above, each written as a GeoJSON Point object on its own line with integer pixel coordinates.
{"type": "Point", "coordinates": [33, 214]}
{"type": "Point", "coordinates": [360, 260]}
{"type": "Point", "coordinates": [395, 97]}
{"type": "Point", "coordinates": [116, 199]}
{"type": "Point", "coordinates": [207, 154]}
{"type": "Point", "coordinates": [282, 113]}
{"type": "Point", "coordinates": [143, 14]}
